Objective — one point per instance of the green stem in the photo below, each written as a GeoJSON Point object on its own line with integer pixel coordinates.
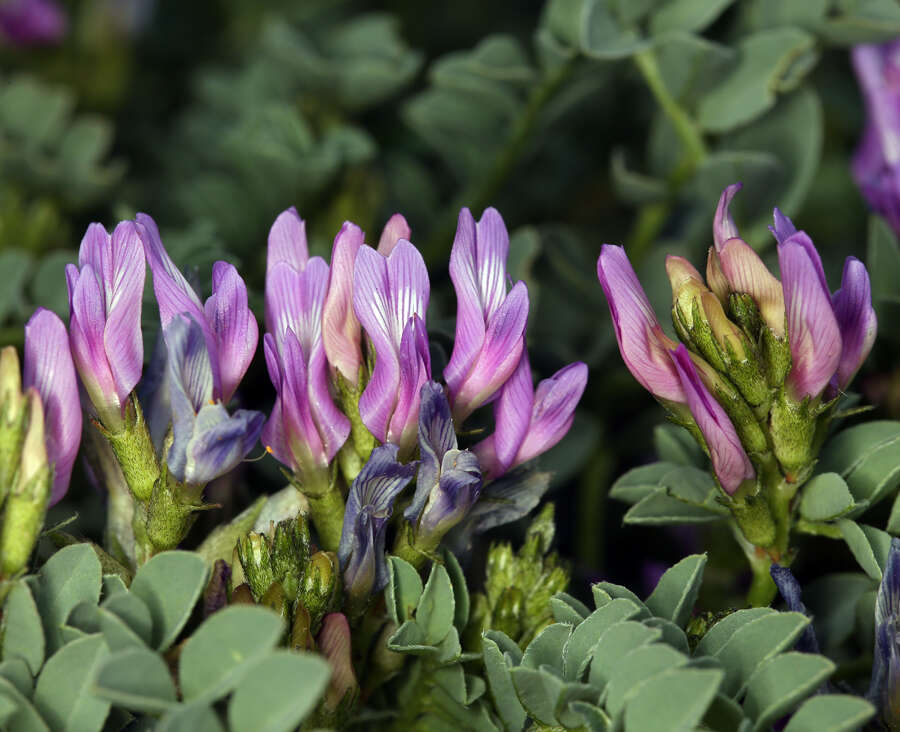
{"type": "Point", "coordinates": [327, 512]}
{"type": "Point", "coordinates": [762, 586]}
{"type": "Point", "coordinates": [479, 193]}
{"type": "Point", "coordinates": [412, 550]}
{"type": "Point", "coordinates": [652, 217]}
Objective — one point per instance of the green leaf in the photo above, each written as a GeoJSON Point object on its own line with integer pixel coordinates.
{"type": "Point", "coordinates": [676, 592]}
{"type": "Point", "coordinates": [191, 718]}
{"type": "Point", "coordinates": [278, 692]}
{"type": "Point", "coordinates": [576, 652]}
{"type": "Point", "coordinates": [689, 66]}
{"type": "Point", "coordinates": [618, 640]}
{"type": "Point", "coordinates": [132, 611]}
{"type": "Point", "coordinates": [867, 456]}
{"type": "Point", "coordinates": [136, 679]}
{"type": "Point", "coordinates": [770, 62]}
{"type": "Point", "coordinates": [781, 683]}
{"type": "Point", "coordinates": [503, 693]}
{"type": "Point", "coordinates": [169, 584]}
{"type": "Point", "coordinates": [113, 585]}
{"type": "Point", "coordinates": [717, 636]}
{"type": "Point", "coordinates": [403, 590]}
{"type": "Point", "coordinates": [883, 258]}
{"type": "Point", "coordinates": [547, 647]}
{"type": "Point", "coordinates": [640, 482]}
{"type": "Point", "coordinates": [831, 713]}
{"type": "Point", "coordinates": [44, 287]}
{"type": "Point", "coordinates": [62, 694]}
{"type": "Point", "coordinates": [69, 577]}
{"type": "Point", "coordinates": [117, 632]}
{"type": "Point", "coordinates": [22, 633]}
{"type": "Point", "coordinates": [661, 509]}
{"type": "Point", "coordinates": [825, 497]}
{"type": "Point", "coordinates": [603, 37]}
{"type": "Point", "coordinates": [870, 546]}
{"type": "Point", "coordinates": [605, 592]}
{"type": "Point", "coordinates": [676, 700]}
{"type": "Point", "coordinates": [862, 21]}
{"type": "Point", "coordinates": [671, 633]}
{"type": "Point", "coordinates": [755, 642]}
{"type": "Point", "coordinates": [25, 718]}
{"type": "Point", "coordinates": [565, 610]}
{"type": "Point", "coordinates": [7, 709]}
{"type": "Point", "coordinates": [675, 445]}
{"type": "Point", "coordinates": [219, 654]}
{"type": "Point", "coordinates": [16, 671]}
{"type": "Point", "coordinates": [686, 15]}
{"type": "Point", "coordinates": [460, 591]}
{"type": "Point", "coordinates": [637, 668]}
{"type": "Point", "coordinates": [594, 717]}
{"type": "Point", "coordinates": [538, 691]}
{"type": "Point", "coordinates": [436, 608]}
{"type": "Point", "coordinates": [833, 600]}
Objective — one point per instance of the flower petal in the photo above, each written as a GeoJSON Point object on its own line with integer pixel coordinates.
{"type": "Point", "coordinates": [746, 274]}
{"type": "Point", "coordinates": [729, 459]}
{"type": "Point", "coordinates": [287, 241]}
{"type": "Point", "coordinates": [856, 319]}
{"type": "Point", "coordinates": [87, 325]}
{"type": "Point", "coordinates": [512, 418]}
{"type": "Point", "coordinates": [642, 343]}
{"type": "Point", "coordinates": [436, 438]}
{"type": "Point", "coordinates": [394, 230]}
{"type": "Point", "coordinates": [48, 368]}
{"type": "Point", "coordinates": [233, 327]}
{"type": "Point", "coordinates": [220, 442]}
{"type": "Point", "coordinates": [723, 223]}
{"type": "Point", "coordinates": [813, 331]}
{"type": "Point", "coordinates": [783, 227]}
{"type": "Point", "coordinates": [340, 327]}
{"type": "Point", "coordinates": [415, 370]}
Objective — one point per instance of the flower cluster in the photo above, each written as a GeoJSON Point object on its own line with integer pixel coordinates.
{"type": "Point", "coordinates": [358, 414]}
{"type": "Point", "coordinates": [761, 362]}
{"type": "Point", "coordinates": [347, 350]}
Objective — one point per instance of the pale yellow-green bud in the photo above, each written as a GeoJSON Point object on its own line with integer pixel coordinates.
{"type": "Point", "coordinates": [26, 503]}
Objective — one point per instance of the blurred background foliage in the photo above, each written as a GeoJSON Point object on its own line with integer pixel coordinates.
{"type": "Point", "coordinates": [582, 121]}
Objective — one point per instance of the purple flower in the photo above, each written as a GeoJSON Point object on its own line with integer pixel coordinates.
{"type": "Point", "coordinates": [105, 293]}
{"type": "Point", "coordinates": [229, 328]}
{"type": "Point", "coordinates": [884, 689]}
{"type": "Point", "coordinates": [856, 319]}
{"type": "Point", "coordinates": [206, 441]}
{"type": "Point", "coordinates": [49, 369]}
{"type": "Point", "coordinates": [390, 297]}
{"type": "Point", "coordinates": [642, 343]}
{"type": "Point", "coordinates": [306, 429]}
{"type": "Point", "coordinates": [33, 22]}
{"type": "Point", "coordinates": [369, 506]}
{"type": "Point", "coordinates": [876, 163]}
{"type": "Point", "coordinates": [530, 421]}
{"type": "Point", "coordinates": [729, 459]}
{"type": "Point", "coordinates": [341, 332]}
{"type": "Point", "coordinates": [490, 324]}
{"type": "Point", "coordinates": [733, 266]}
{"type": "Point", "coordinates": [813, 332]}
{"type": "Point", "coordinates": [449, 480]}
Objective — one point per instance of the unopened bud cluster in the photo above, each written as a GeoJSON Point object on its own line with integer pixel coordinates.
{"type": "Point", "coordinates": [761, 363]}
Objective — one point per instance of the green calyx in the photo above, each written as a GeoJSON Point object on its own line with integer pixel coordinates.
{"type": "Point", "coordinates": [134, 451]}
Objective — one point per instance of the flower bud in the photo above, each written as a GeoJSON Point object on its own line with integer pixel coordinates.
{"type": "Point", "coordinates": [301, 631]}
{"type": "Point", "coordinates": [276, 599]}
{"type": "Point", "coordinates": [290, 552]}
{"type": "Point", "coordinates": [12, 418]}
{"type": "Point", "coordinates": [334, 643]}
{"type": "Point", "coordinates": [320, 590]}
{"type": "Point", "coordinates": [26, 504]}
{"type": "Point", "coordinates": [255, 557]}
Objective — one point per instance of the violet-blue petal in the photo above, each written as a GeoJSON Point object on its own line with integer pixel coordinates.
{"type": "Point", "coordinates": [48, 367]}
{"type": "Point", "coordinates": [436, 436]}
{"type": "Point", "coordinates": [887, 644]}
{"type": "Point", "coordinates": [723, 223]}
{"type": "Point", "coordinates": [233, 326]}
{"type": "Point", "coordinates": [369, 506]}
{"type": "Point", "coordinates": [341, 331]}
{"type": "Point", "coordinates": [219, 442]}
{"type": "Point", "coordinates": [813, 331]}
{"type": "Point", "coordinates": [642, 343]}
{"type": "Point", "coordinates": [856, 319]}
{"type": "Point", "coordinates": [791, 593]}
{"type": "Point", "coordinates": [729, 459]}
{"type": "Point", "coordinates": [783, 227]}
